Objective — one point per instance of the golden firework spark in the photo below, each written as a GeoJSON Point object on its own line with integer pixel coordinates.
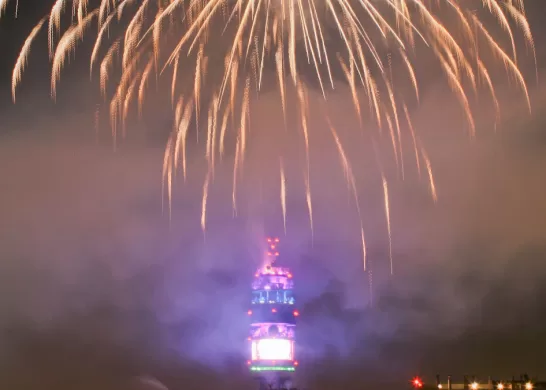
{"type": "Point", "coordinates": [283, 195]}
{"type": "Point", "coordinates": [285, 35]}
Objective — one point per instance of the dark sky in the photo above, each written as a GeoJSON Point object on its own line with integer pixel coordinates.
{"type": "Point", "coordinates": [100, 287]}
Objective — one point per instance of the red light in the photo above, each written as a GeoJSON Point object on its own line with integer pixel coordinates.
{"type": "Point", "coordinates": [249, 312]}
{"type": "Point", "coordinates": [272, 246]}
{"type": "Point", "coordinates": [276, 253]}
{"type": "Point", "coordinates": [289, 276]}
{"type": "Point", "coordinates": [273, 310]}
{"type": "Point", "coordinates": [268, 239]}
{"type": "Point", "coordinates": [248, 362]}
{"type": "Point", "coordinates": [296, 363]}
{"type": "Point", "coordinates": [276, 240]}
{"type": "Point", "coordinates": [296, 313]}
{"type": "Point", "coordinates": [417, 382]}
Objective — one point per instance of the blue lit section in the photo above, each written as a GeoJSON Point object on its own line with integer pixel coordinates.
{"type": "Point", "coordinates": [273, 296]}
{"type": "Point", "coordinates": [273, 285]}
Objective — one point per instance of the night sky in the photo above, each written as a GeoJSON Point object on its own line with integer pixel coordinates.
{"type": "Point", "coordinates": [100, 288]}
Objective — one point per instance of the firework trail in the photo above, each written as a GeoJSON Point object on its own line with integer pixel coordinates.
{"type": "Point", "coordinates": [163, 36]}
{"type": "Point", "coordinates": [23, 57]}
{"type": "Point", "coordinates": [309, 205]}
{"type": "Point", "coordinates": [388, 218]}
{"type": "Point", "coordinates": [364, 256]}
{"type": "Point", "coordinates": [283, 195]}
{"type": "Point", "coordinates": [204, 201]}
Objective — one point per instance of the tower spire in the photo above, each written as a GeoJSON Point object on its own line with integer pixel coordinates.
{"type": "Point", "coordinates": [272, 250]}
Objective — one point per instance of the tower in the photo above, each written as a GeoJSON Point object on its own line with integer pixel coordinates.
{"type": "Point", "coordinates": [272, 322]}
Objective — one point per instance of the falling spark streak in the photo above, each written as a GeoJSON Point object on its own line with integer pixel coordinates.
{"type": "Point", "coordinates": [235, 173]}
{"type": "Point", "coordinates": [54, 23]}
{"type": "Point", "coordinates": [430, 176]}
{"type": "Point", "coordinates": [143, 83]}
{"type": "Point", "coordinates": [167, 173]}
{"type": "Point", "coordinates": [245, 112]}
{"type": "Point", "coordinates": [414, 139]}
{"type": "Point", "coordinates": [173, 83]}
{"type": "Point", "coordinates": [3, 5]}
{"type": "Point", "coordinates": [215, 107]}
{"type": "Point", "coordinates": [342, 156]}
{"type": "Point", "coordinates": [178, 111]}
{"type": "Point", "coordinates": [485, 74]}
{"type": "Point", "coordinates": [66, 44]}
{"type": "Point", "coordinates": [132, 32]}
{"type": "Point", "coordinates": [388, 218]}
{"type": "Point", "coordinates": [23, 56]}
{"type": "Point", "coordinates": [127, 102]}
{"type": "Point", "coordinates": [397, 123]}
{"type": "Point", "coordinates": [456, 86]}
{"type": "Point", "coordinates": [223, 132]}
{"type": "Point", "coordinates": [267, 34]}
{"type": "Point", "coordinates": [204, 202]}
{"type": "Point", "coordinates": [283, 195]}
{"type": "Point", "coordinates": [496, 9]}
{"type": "Point", "coordinates": [208, 152]}
{"type": "Point", "coordinates": [181, 139]}
{"type": "Point", "coordinates": [350, 75]}
{"type": "Point", "coordinates": [349, 177]}
{"type": "Point", "coordinates": [279, 60]}
{"type": "Point", "coordinates": [523, 23]}
{"type": "Point", "coordinates": [411, 72]}
{"type": "Point", "coordinates": [393, 139]}
{"type": "Point", "coordinates": [302, 96]}
{"type": "Point", "coordinates": [364, 257]}
{"type": "Point", "coordinates": [309, 205]}
{"type": "Point", "coordinates": [98, 41]}
{"type": "Point", "coordinates": [105, 67]}
{"type": "Point", "coordinates": [197, 88]}
{"type": "Point", "coordinates": [508, 62]}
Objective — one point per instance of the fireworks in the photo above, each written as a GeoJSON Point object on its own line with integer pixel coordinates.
{"type": "Point", "coordinates": [163, 36]}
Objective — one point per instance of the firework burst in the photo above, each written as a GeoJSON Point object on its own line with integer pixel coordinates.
{"type": "Point", "coordinates": [163, 36]}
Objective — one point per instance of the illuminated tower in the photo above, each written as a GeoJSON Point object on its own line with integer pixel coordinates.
{"type": "Point", "coordinates": [273, 321]}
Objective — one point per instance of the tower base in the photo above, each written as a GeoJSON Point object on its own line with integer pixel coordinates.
{"type": "Point", "coordinates": [276, 383]}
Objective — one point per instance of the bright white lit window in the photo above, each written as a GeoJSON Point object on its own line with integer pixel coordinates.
{"type": "Point", "coordinates": [272, 349]}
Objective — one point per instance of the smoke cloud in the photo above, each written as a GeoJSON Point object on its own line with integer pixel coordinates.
{"type": "Point", "coordinates": [103, 284]}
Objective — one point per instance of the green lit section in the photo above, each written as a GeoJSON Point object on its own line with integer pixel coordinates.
{"type": "Point", "coordinates": [272, 368]}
